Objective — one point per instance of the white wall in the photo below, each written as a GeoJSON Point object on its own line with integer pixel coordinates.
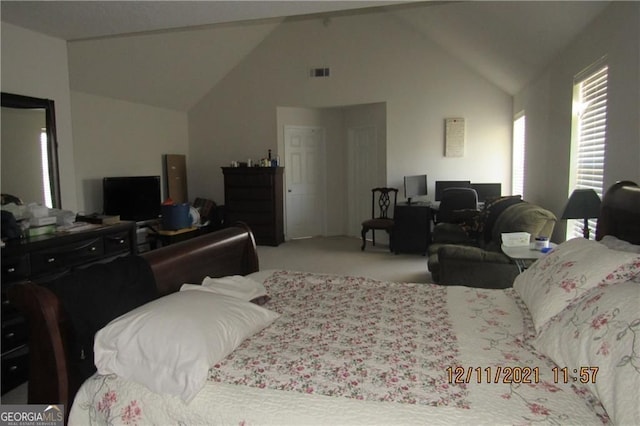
{"type": "Point", "coordinates": [117, 138]}
{"type": "Point", "coordinates": [110, 137]}
{"type": "Point", "coordinates": [547, 104]}
{"type": "Point", "coordinates": [373, 59]}
{"type": "Point", "coordinates": [35, 65]}
{"type": "Point", "coordinates": [336, 122]}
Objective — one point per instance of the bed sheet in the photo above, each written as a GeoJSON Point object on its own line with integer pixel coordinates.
{"type": "Point", "coordinates": [352, 350]}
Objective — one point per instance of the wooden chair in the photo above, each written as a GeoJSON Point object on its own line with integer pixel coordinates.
{"type": "Point", "coordinates": [381, 221]}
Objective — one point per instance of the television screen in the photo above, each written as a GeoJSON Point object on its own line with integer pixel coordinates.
{"type": "Point", "coordinates": [487, 190]}
{"type": "Point", "coordinates": [135, 198]}
{"type": "Point", "coordinates": [415, 186]}
{"type": "Point", "coordinates": [441, 185]}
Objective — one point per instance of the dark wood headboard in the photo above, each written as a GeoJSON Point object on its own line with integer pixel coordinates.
{"type": "Point", "coordinates": [620, 212]}
{"type": "Point", "coordinates": [230, 251]}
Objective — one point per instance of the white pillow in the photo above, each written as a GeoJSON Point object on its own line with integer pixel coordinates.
{"type": "Point", "coordinates": [169, 344]}
{"type": "Point", "coordinates": [237, 286]}
{"type": "Point", "coordinates": [567, 272]}
{"type": "Point", "coordinates": [600, 331]}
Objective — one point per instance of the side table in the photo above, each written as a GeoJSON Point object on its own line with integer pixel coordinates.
{"type": "Point", "coordinates": [524, 256]}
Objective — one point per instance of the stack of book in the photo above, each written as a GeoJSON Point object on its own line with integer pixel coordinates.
{"type": "Point", "coordinates": [36, 231]}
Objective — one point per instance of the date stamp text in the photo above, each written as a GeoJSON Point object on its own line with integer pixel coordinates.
{"type": "Point", "coordinates": [518, 374]}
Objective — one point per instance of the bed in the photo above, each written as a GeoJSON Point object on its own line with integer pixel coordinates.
{"type": "Point", "coordinates": [560, 347]}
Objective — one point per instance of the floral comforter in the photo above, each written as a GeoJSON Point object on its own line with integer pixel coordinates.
{"type": "Point", "coordinates": [352, 350]}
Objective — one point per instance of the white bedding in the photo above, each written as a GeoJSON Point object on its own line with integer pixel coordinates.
{"type": "Point", "coordinates": [351, 350]}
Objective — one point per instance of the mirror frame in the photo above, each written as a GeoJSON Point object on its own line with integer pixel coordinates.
{"type": "Point", "coordinates": [27, 102]}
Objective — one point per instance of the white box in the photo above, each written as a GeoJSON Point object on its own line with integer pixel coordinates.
{"type": "Point", "coordinates": [41, 221]}
{"type": "Point", "coordinates": [516, 239]}
{"type": "Point", "coordinates": [38, 211]}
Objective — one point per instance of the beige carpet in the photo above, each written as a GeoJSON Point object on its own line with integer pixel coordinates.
{"type": "Point", "coordinates": [342, 255]}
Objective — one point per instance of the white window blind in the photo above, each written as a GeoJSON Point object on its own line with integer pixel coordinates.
{"type": "Point", "coordinates": [588, 153]}
{"type": "Point", "coordinates": [517, 161]}
{"type": "Point", "coordinates": [592, 131]}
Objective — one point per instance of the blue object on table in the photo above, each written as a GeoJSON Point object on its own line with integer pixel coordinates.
{"type": "Point", "coordinates": [176, 216]}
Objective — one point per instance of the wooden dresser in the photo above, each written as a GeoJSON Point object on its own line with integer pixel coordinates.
{"type": "Point", "coordinates": [254, 195]}
{"type": "Point", "coordinates": [42, 258]}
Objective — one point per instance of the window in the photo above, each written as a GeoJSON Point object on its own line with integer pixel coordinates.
{"type": "Point", "coordinates": [46, 183]}
{"type": "Point", "coordinates": [589, 136]}
{"type": "Point", "coordinates": [517, 172]}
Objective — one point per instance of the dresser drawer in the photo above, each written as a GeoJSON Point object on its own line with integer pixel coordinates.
{"type": "Point", "coordinates": [117, 243]}
{"type": "Point", "coordinates": [249, 179]}
{"type": "Point", "coordinates": [251, 218]}
{"type": "Point", "coordinates": [261, 193]}
{"type": "Point", "coordinates": [256, 206]}
{"type": "Point", "coordinates": [59, 258]}
{"type": "Point", "coordinates": [15, 268]}
{"type": "Point", "coordinates": [15, 368]}
{"type": "Point", "coordinates": [14, 333]}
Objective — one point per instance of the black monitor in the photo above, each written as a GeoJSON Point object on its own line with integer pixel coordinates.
{"type": "Point", "coordinates": [135, 198]}
{"type": "Point", "coordinates": [415, 186]}
{"type": "Point", "coordinates": [441, 185]}
{"type": "Point", "coordinates": [486, 191]}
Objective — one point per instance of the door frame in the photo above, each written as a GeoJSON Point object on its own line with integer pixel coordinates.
{"type": "Point", "coordinates": [353, 210]}
{"type": "Point", "coordinates": [322, 177]}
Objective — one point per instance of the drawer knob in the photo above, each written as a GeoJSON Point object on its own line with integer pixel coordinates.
{"type": "Point", "coordinates": [13, 368]}
{"type": "Point", "coordinates": [10, 270]}
{"type": "Point", "coordinates": [51, 259]}
{"type": "Point", "coordinates": [9, 335]}
{"type": "Point", "coordinates": [93, 248]}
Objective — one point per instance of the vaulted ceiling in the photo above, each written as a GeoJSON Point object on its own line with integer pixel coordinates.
{"type": "Point", "coordinates": [506, 42]}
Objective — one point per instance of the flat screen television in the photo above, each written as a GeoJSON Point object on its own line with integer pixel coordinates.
{"type": "Point", "coordinates": [441, 185]}
{"type": "Point", "coordinates": [415, 186]}
{"type": "Point", "coordinates": [135, 198]}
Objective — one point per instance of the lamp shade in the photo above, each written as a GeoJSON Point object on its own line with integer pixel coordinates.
{"type": "Point", "coordinates": [583, 204]}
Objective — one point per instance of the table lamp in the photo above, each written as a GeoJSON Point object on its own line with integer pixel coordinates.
{"type": "Point", "coordinates": [583, 204]}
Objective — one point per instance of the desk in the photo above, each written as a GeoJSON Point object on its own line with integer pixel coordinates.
{"type": "Point", "coordinates": [164, 237]}
{"type": "Point", "coordinates": [525, 255]}
{"type": "Point", "coordinates": [412, 228]}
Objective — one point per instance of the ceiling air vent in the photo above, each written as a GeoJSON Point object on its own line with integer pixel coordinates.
{"type": "Point", "coordinates": [320, 72]}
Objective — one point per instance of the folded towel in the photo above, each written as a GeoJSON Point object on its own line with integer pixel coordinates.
{"type": "Point", "coordinates": [235, 286]}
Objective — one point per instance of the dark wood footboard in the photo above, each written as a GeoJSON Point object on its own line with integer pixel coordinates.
{"type": "Point", "coordinates": [230, 251]}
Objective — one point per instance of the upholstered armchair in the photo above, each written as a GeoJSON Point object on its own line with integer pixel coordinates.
{"type": "Point", "coordinates": [468, 253]}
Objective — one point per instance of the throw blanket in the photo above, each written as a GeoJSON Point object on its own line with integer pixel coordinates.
{"type": "Point", "coordinates": [492, 210]}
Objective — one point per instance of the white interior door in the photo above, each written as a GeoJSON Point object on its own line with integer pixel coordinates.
{"type": "Point", "coordinates": [363, 174]}
{"type": "Point", "coordinates": [305, 189]}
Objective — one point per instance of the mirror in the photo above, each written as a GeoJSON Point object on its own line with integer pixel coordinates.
{"type": "Point", "coordinates": [29, 157]}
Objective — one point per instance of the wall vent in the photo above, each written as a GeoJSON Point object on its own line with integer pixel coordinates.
{"type": "Point", "coordinates": [320, 72]}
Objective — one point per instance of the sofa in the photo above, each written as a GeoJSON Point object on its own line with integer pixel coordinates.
{"type": "Point", "coordinates": [467, 251]}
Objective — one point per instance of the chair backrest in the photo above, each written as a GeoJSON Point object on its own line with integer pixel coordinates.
{"type": "Point", "coordinates": [456, 199]}
{"type": "Point", "coordinates": [382, 197]}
